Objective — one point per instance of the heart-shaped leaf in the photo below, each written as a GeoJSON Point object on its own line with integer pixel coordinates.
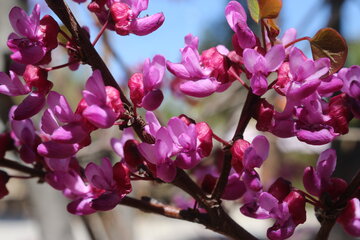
{"type": "Point", "coordinates": [269, 8]}
{"type": "Point", "coordinates": [254, 9]}
{"type": "Point", "coordinates": [328, 43]}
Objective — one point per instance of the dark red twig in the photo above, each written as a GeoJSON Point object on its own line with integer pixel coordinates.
{"type": "Point", "coordinates": [21, 168]}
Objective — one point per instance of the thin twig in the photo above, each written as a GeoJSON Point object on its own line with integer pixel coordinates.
{"type": "Point", "coordinates": [223, 179]}
{"type": "Point", "coordinates": [21, 168]}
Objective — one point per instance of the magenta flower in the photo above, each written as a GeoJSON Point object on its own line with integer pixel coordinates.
{"type": "Point", "coordinates": [260, 66]}
{"type": "Point", "coordinates": [24, 135]}
{"type": "Point", "coordinates": [208, 176]}
{"type": "Point", "coordinates": [351, 79]}
{"type": "Point", "coordinates": [125, 16]}
{"type": "Point", "coordinates": [33, 38]}
{"type": "Point", "coordinates": [236, 18]}
{"type": "Point", "coordinates": [145, 87]}
{"type": "Point", "coordinates": [67, 132]}
{"type": "Point", "coordinates": [114, 181]}
{"type": "Point", "coordinates": [105, 188]}
{"type": "Point", "coordinates": [187, 144]}
{"type": "Point", "coordinates": [288, 213]}
{"type": "Point", "coordinates": [104, 105]}
{"type": "Point", "coordinates": [350, 217]}
{"type": "Point", "coordinates": [246, 156]}
{"type": "Point", "coordinates": [203, 75]}
{"type": "Point", "coordinates": [12, 86]}
{"type": "Point", "coordinates": [36, 84]}
{"type": "Point", "coordinates": [318, 181]}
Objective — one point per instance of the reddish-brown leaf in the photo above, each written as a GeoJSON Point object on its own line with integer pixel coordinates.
{"type": "Point", "coordinates": [328, 43]}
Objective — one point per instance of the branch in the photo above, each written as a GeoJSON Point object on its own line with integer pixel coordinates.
{"type": "Point", "coordinates": [147, 205]}
{"type": "Point", "coordinates": [335, 210]}
{"type": "Point", "coordinates": [219, 220]}
{"type": "Point", "coordinates": [21, 168]}
{"type": "Point", "coordinates": [225, 171]}
{"type": "Point", "coordinates": [245, 117]}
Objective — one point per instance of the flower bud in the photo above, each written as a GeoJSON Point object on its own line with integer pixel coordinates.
{"type": "Point", "coordinates": [296, 204]}
{"type": "Point", "coordinates": [214, 60]}
{"type": "Point", "coordinates": [96, 5]}
{"type": "Point", "coordinates": [121, 14]}
{"type": "Point", "coordinates": [264, 115]}
{"type": "Point", "coordinates": [204, 136]}
{"type": "Point", "coordinates": [50, 29]}
{"type": "Point", "coordinates": [136, 86]}
{"type": "Point", "coordinates": [340, 113]}
{"type": "Point", "coordinates": [280, 188]}
{"type": "Point", "coordinates": [132, 156]}
{"type": "Point", "coordinates": [113, 100]}
{"type": "Point", "coordinates": [237, 151]}
{"type": "Point", "coordinates": [36, 77]}
{"type": "Point", "coordinates": [121, 175]}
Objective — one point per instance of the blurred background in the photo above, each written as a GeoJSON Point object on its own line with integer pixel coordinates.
{"type": "Point", "coordinates": [36, 212]}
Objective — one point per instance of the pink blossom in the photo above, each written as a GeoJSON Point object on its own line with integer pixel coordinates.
{"type": "Point", "coordinates": [104, 105]}
{"type": "Point", "coordinates": [318, 181]}
{"type": "Point", "coordinates": [145, 87]}
{"type": "Point", "coordinates": [125, 16]}
{"type": "Point", "coordinates": [350, 217]}
{"type": "Point", "coordinates": [177, 140]}
{"type": "Point", "coordinates": [33, 38]}
{"type": "Point", "coordinates": [203, 75]}
{"type": "Point", "coordinates": [113, 180]}
{"type": "Point", "coordinates": [25, 137]}
{"type": "Point", "coordinates": [260, 66]}
{"type": "Point", "coordinates": [236, 18]}
{"type": "Point", "coordinates": [67, 132]}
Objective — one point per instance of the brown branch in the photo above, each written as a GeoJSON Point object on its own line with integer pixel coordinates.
{"type": "Point", "coordinates": [334, 211]}
{"type": "Point", "coordinates": [21, 168]}
{"type": "Point", "coordinates": [147, 205]}
{"type": "Point", "coordinates": [225, 171]}
{"type": "Point", "coordinates": [245, 117]}
{"type": "Point", "coordinates": [219, 220]}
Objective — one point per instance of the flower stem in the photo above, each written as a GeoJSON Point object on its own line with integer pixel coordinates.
{"type": "Point", "coordinates": [234, 74]}
{"type": "Point", "coordinates": [220, 140]}
{"type": "Point", "coordinates": [102, 30]}
{"type": "Point", "coordinates": [61, 66]}
{"type": "Point", "coordinates": [297, 40]}
{"type": "Point", "coordinates": [262, 26]}
{"type": "Point", "coordinates": [21, 168]}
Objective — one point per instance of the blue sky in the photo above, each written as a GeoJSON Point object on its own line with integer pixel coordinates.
{"type": "Point", "coordinates": [191, 16]}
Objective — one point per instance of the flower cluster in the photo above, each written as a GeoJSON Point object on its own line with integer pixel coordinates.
{"type": "Point", "coordinates": [321, 98]}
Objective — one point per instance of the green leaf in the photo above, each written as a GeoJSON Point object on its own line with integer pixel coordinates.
{"type": "Point", "coordinates": [60, 37]}
{"type": "Point", "coordinates": [328, 43]}
{"type": "Point", "coordinates": [254, 9]}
